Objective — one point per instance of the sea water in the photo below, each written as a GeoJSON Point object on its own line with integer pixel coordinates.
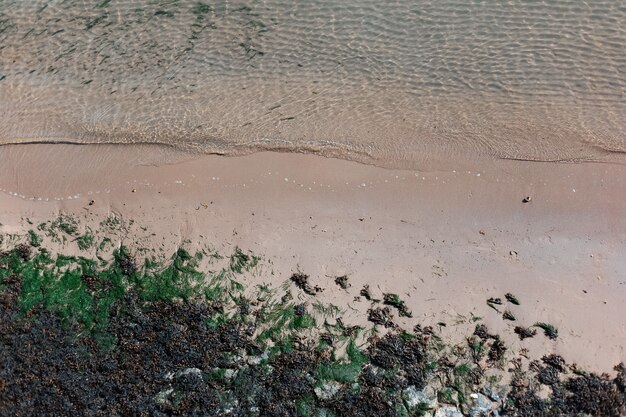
{"type": "Point", "coordinates": [396, 83]}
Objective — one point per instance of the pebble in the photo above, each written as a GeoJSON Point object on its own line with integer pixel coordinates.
{"type": "Point", "coordinates": [415, 397]}
{"type": "Point", "coordinates": [327, 390]}
{"type": "Point", "coordinates": [448, 411]}
{"type": "Point", "coordinates": [481, 405]}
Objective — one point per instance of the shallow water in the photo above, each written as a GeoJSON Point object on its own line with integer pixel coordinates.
{"type": "Point", "coordinates": [393, 83]}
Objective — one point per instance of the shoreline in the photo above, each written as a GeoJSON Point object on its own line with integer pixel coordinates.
{"type": "Point", "coordinates": [444, 240]}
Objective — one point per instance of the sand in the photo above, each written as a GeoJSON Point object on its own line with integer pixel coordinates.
{"type": "Point", "coordinates": [445, 241]}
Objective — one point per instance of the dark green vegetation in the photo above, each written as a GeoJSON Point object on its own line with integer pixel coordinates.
{"type": "Point", "coordinates": [395, 301]}
{"type": "Point", "coordinates": [511, 299]}
{"type": "Point", "coordinates": [120, 336]}
{"type": "Point", "coordinates": [549, 330]}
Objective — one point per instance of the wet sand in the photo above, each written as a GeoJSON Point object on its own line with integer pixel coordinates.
{"type": "Point", "coordinates": [444, 240]}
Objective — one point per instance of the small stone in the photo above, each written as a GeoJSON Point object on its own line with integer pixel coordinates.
{"type": "Point", "coordinates": [448, 412]}
{"type": "Point", "coordinates": [493, 392]}
{"type": "Point", "coordinates": [229, 405]}
{"type": "Point", "coordinates": [254, 360]}
{"type": "Point", "coordinates": [322, 412]}
{"type": "Point", "coordinates": [527, 199]}
{"type": "Point", "coordinates": [189, 371]}
{"type": "Point", "coordinates": [414, 397]}
{"type": "Point", "coordinates": [481, 405]}
{"type": "Point", "coordinates": [327, 390]}
{"type": "Point", "coordinates": [163, 396]}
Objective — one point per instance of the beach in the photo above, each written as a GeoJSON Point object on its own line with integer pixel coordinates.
{"type": "Point", "coordinates": [445, 240]}
{"type": "Point", "coordinates": [313, 209]}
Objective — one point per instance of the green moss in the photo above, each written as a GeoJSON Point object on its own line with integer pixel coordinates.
{"type": "Point", "coordinates": [305, 321]}
{"type": "Point", "coordinates": [395, 301]}
{"type": "Point", "coordinates": [34, 239]}
{"type": "Point", "coordinates": [338, 371]}
{"type": "Point", "coordinates": [240, 261]}
{"type": "Point", "coordinates": [81, 293]}
{"type": "Point", "coordinates": [512, 299]}
{"type": "Point", "coordinates": [344, 370]}
{"type": "Point", "coordinates": [179, 279]}
{"type": "Point", "coordinates": [59, 285]}
{"type": "Point", "coordinates": [85, 241]}
{"type": "Point", "coordinates": [217, 373]}
{"type": "Point", "coordinates": [112, 222]}
{"type": "Point", "coordinates": [66, 224]}
{"type": "Point", "coordinates": [305, 406]}
{"type": "Point", "coordinates": [277, 318]}
{"type": "Point", "coordinates": [326, 310]}
{"type": "Point", "coordinates": [508, 315]}
{"type": "Point", "coordinates": [446, 396]}
{"type": "Point", "coordinates": [462, 370]}
{"type": "Point", "coordinates": [549, 330]}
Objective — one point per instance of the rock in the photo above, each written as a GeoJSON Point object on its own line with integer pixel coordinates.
{"type": "Point", "coordinates": [481, 405]}
{"type": "Point", "coordinates": [236, 360]}
{"type": "Point", "coordinates": [493, 392]}
{"type": "Point", "coordinates": [189, 372]}
{"type": "Point", "coordinates": [414, 397]}
{"type": "Point", "coordinates": [229, 405]}
{"type": "Point", "coordinates": [448, 412]}
{"type": "Point", "coordinates": [327, 390]}
{"type": "Point", "coordinates": [401, 411]}
{"type": "Point", "coordinates": [162, 398]}
{"type": "Point", "coordinates": [322, 412]}
{"type": "Point", "coordinates": [254, 360]}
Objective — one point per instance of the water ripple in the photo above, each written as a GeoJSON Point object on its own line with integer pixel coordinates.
{"type": "Point", "coordinates": [385, 82]}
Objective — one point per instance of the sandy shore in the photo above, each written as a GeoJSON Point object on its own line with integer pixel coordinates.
{"type": "Point", "coordinates": [443, 240]}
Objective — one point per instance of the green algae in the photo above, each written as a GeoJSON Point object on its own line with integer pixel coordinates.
{"type": "Point", "coordinates": [85, 241]}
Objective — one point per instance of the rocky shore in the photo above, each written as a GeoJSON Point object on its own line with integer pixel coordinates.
{"type": "Point", "coordinates": [113, 330]}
